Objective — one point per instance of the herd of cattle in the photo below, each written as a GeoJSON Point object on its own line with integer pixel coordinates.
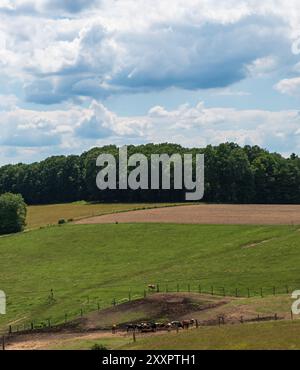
{"type": "Point", "coordinates": [146, 327]}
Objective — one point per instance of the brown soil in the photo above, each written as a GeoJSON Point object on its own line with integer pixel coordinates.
{"type": "Point", "coordinates": [162, 307]}
{"type": "Point", "coordinates": [207, 214]}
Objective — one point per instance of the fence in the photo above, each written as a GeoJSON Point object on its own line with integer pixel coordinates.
{"type": "Point", "coordinates": [219, 321]}
{"type": "Point", "coordinates": [90, 303]}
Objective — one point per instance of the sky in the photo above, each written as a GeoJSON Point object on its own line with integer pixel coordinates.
{"type": "Point", "coordinates": [76, 74]}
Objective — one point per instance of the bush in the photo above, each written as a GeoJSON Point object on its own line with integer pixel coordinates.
{"type": "Point", "coordinates": [98, 347]}
{"type": "Point", "coordinates": [61, 221]}
{"type": "Point", "coordinates": [12, 213]}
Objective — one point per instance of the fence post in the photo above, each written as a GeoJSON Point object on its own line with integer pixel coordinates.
{"type": "Point", "coordinates": [167, 288]}
{"type": "Point", "coordinates": [157, 288]}
{"type": "Point", "coordinates": [3, 343]}
{"type": "Point", "coordinates": [292, 315]}
{"type": "Point", "coordinates": [98, 306]}
{"type": "Point", "coordinates": [51, 294]}
{"type": "Point", "coordinates": [189, 288]}
{"type": "Point", "coordinates": [275, 317]}
{"type": "Point", "coordinates": [49, 323]}
{"type": "Point", "coordinates": [133, 335]}
{"type": "Point", "coordinates": [177, 288]}
{"type": "Point", "coordinates": [145, 293]}
{"type": "Point", "coordinates": [9, 329]}
{"type": "Point", "coordinates": [248, 290]}
{"type": "Point", "coordinates": [129, 296]}
{"type": "Point", "coordinates": [66, 318]}
{"type": "Point", "coordinates": [287, 289]}
{"type": "Point", "coordinates": [200, 289]}
{"type": "Point", "coordinates": [31, 325]}
{"type": "Point", "coordinates": [242, 320]}
{"type": "Point", "coordinates": [236, 292]}
{"type": "Point", "coordinates": [81, 312]}
{"type": "Point", "coordinates": [261, 292]}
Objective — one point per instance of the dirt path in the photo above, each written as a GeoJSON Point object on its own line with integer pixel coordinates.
{"type": "Point", "coordinates": [208, 214]}
{"type": "Point", "coordinates": [49, 340]}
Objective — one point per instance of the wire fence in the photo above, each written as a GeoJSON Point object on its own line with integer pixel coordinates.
{"type": "Point", "coordinates": [110, 297]}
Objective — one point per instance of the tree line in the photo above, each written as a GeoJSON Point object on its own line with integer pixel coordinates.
{"type": "Point", "coordinates": [233, 174]}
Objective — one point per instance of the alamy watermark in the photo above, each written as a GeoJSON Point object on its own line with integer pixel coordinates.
{"type": "Point", "coordinates": [159, 169]}
{"type": "Point", "coordinates": [296, 304]}
{"type": "Point", "coordinates": [2, 303]}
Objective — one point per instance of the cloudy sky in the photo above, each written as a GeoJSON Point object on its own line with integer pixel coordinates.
{"type": "Point", "coordinates": [80, 73]}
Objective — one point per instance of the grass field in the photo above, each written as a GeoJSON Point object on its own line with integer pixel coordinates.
{"type": "Point", "coordinates": [271, 335]}
{"type": "Point", "coordinates": [50, 214]}
{"type": "Point", "coordinates": [90, 264]}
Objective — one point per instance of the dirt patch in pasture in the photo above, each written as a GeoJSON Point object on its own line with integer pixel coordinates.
{"type": "Point", "coordinates": [162, 307]}
{"type": "Point", "coordinates": [207, 214]}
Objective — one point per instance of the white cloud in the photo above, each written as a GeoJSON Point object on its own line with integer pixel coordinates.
{"type": "Point", "coordinates": [229, 92]}
{"type": "Point", "coordinates": [8, 102]}
{"type": "Point", "coordinates": [98, 51]}
{"type": "Point", "coordinates": [70, 51]}
{"type": "Point", "coordinates": [262, 66]}
{"type": "Point", "coordinates": [76, 129]}
{"type": "Point", "coordinates": [290, 86]}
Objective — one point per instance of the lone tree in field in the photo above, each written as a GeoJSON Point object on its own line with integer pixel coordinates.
{"type": "Point", "coordinates": [12, 213]}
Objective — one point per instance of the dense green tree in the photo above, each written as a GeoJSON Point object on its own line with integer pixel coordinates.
{"type": "Point", "coordinates": [12, 213]}
{"type": "Point", "coordinates": [233, 174]}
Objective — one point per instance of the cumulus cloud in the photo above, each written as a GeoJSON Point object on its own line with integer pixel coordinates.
{"type": "Point", "coordinates": [71, 6]}
{"type": "Point", "coordinates": [197, 44]}
{"type": "Point", "coordinates": [45, 7]}
{"type": "Point", "coordinates": [76, 129]}
{"type": "Point", "coordinates": [98, 124]}
{"type": "Point", "coordinates": [290, 86]}
{"type": "Point", "coordinates": [262, 66]}
{"type": "Point", "coordinates": [65, 52]}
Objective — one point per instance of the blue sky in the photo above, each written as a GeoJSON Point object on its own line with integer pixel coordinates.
{"type": "Point", "coordinates": [77, 74]}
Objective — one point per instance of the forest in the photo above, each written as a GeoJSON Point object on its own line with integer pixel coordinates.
{"type": "Point", "coordinates": [233, 174]}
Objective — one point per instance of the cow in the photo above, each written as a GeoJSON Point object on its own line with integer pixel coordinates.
{"type": "Point", "coordinates": [176, 324]}
{"type": "Point", "coordinates": [146, 327]}
{"type": "Point", "coordinates": [160, 326]}
{"type": "Point", "coordinates": [131, 327]}
{"type": "Point", "coordinates": [186, 324]}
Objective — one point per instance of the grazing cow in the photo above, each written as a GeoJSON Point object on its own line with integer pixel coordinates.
{"type": "Point", "coordinates": [186, 324]}
{"type": "Point", "coordinates": [146, 327]}
{"type": "Point", "coordinates": [160, 326]}
{"type": "Point", "coordinates": [176, 324]}
{"type": "Point", "coordinates": [131, 327]}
